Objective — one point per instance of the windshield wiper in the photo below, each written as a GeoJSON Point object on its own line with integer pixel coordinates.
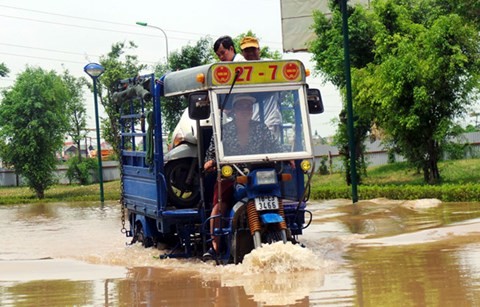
{"type": "Point", "coordinates": [224, 102]}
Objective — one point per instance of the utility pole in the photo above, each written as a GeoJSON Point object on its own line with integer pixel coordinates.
{"type": "Point", "coordinates": [348, 84]}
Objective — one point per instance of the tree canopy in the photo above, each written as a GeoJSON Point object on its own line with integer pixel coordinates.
{"type": "Point", "coordinates": [33, 123]}
{"type": "Point", "coordinates": [425, 72]}
{"type": "Point", "coordinates": [3, 70]}
{"type": "Point", "coordinates": [421, 75]}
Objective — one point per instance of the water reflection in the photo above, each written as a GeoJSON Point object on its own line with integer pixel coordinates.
{"type": "Point", "coordinates": [419, 275]}
{"type": "Point", "coordinates": [382, 217]}
{"type": "Point", "coordinates": [376, 253]}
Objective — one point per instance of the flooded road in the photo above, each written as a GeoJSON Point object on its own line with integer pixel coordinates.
{"type": "Point", "coordinates": [374, 253]}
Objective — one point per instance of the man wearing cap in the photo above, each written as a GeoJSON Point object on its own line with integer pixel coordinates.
{"type": "Point", "coordinates": [271, 108]}
{"type": "Point", "coordinates": [241, 136]}
{"type": "Point", "coordinates": [250, 48]}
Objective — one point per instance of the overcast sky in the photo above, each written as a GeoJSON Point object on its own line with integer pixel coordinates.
{"type": "Point", "coordinates": [53, 34]}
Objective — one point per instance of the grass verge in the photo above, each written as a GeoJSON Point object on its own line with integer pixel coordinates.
{"type": "Point", "coordinates": [61, 193]}
{"type": "Point", "coordinates": [460, 182]}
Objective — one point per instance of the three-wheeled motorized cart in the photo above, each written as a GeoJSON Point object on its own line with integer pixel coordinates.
{"type": "Point", "coordinates": [167, 196]}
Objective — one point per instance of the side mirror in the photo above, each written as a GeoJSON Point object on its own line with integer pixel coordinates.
{"type": "Point", "coordinates": [198, 105]}
{"type": "Point", "coordinates": [314, 98]}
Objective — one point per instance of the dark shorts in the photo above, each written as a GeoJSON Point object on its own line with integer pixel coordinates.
{"type": "Point", "coordinates": [227, 192]}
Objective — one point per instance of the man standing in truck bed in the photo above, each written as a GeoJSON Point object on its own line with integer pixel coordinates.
{"type": "Point", "coordinates": [224, 48]}
{"type": "Point", "coordinates": [271, 107]}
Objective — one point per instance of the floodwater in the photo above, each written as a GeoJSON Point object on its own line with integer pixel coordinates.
{"type": "Point", "coordinates": [375, 253]}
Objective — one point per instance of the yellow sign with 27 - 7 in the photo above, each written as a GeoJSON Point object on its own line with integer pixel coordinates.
{"type": "Point", "coordinates": [257, 72]}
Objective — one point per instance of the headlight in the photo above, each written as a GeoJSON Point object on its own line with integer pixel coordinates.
{"type": "Point", "coordinates": [227, 171]}
{"type": "Point", "coordinates": [266, 177]}
{"type": "Point", "coordinates": [305, 165]}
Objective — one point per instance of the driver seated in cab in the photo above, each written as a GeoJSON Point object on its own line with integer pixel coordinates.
{"type": "Point", "coordinates": [240, 136]}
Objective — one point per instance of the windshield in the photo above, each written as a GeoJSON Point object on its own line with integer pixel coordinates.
{"type": "Point", "coordinates": [262, 125]}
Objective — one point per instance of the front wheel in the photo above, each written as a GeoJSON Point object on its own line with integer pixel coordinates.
{"type": "Point", "coordinates": [242, 244]}
{"type": "Point", "coordinates": [273, 236]}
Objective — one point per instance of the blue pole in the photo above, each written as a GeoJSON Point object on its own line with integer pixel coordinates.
{"type": "Point", "coordinates": [99, 150]}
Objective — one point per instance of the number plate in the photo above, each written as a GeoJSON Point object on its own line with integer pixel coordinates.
{"type": "Point", "coordinates": [266, 203]}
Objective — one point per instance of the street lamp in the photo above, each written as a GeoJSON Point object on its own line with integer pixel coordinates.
{"type": "Point", "coordinates": [144, 24]}
{"type": "Point", "coordinates": [95, 70]}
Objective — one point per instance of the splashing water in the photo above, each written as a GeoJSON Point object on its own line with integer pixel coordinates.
{"type": "Point", "coordinates": [281, 258]}
{"type": "Point", "coordinates": [277, 274]}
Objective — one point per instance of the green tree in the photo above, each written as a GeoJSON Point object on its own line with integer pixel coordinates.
{"type": "Point", "coordinates": [425, 72]}
{"type": "Point", "coordinates": [76, 111]}
{"type": "Point", "coordinates": [415, 67]}
{"type": "Point", "coordinates": [118, 64]}
{"type": "Point", "coordinates": [3, 70]}
{"type": "Point", "coordinates": [79, 168]}
{"type": "Point", "coordinates": [470, 128]}
{"type": "Point", "coordinates": [469, 9]}
{"type": "Point", "coordinates": [33, 123]}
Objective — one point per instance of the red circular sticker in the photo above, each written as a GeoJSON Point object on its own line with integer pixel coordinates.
{"type": "Point", "coordinates": [291, 71]}
{"type": "Point", "coordinates": [222, 74]}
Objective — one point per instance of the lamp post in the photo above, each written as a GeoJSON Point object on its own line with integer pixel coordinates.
{"type": "Point", "coordinates": [95, 70]}
{"type": "Point", "coordinates": [144, 24]}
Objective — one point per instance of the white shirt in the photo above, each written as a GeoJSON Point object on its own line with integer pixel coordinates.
{"type": "Point", "coordinates": [238, 58]}
{"type": "Point", "coordinates": [271, 109]}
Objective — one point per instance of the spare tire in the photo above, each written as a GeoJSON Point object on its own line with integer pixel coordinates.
{"type": "Point", "coordinates": [182, 194]}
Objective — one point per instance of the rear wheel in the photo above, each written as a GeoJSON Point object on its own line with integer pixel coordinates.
{"type": "Point", "coordinates": [140, 236]}
{"type": "Point", "coordinates": [183, 192]}
{"type": "Point", "coordinates": [166, 240]}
